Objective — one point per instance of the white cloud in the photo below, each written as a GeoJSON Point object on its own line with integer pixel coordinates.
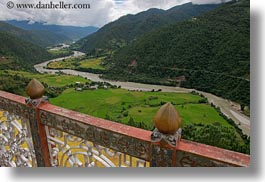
{"type": "Point", "coordinates": [100, 13]}
{"type": "Point", "coordinates": [209, 1]}
{"type": "Point", "coordinates": [97, 15]}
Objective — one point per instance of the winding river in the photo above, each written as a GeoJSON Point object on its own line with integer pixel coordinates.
{"type": "Point", "coordinates": [227, 107]}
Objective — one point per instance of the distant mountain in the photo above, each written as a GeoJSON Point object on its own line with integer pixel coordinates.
{"type": "Point", "coordinates": [130, 27]}
{"type": "Point", "coordinates": [71, 32]}
{"type": "Point", "coordinates": [211, 52]}
{"type": "Point", "coordinates": [16, 53]}
{"type": "Point", "coordinates": [39, 37]}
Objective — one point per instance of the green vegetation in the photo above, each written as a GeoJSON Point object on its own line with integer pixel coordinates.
{"type": "Point", "coordinates": [211, 51]}
{"type": "Point", "coordinates": [16, 82]}
{"type": "Point", "coordinates": [120, 105]}
{"type": "Point", "coordinates": [59, 80]}
{"type": "Point", "coordinates": [94, 63]}
{"type": "Point", "coordinates": [80, 64]}
{"type": "Point", "coordinates": [216, 135]}
{"type": "Point", "coordinates": [138, 109]}
{"type": "Point", "coordinates": [69, 63]}
{"type": "Point", "coordinates": [61, 53]}
{"type": "Point", "coordinates": [21, 55]}
{"type": "Point", "coordinates": [13, 84]}
{"type": "Point", "coordinates": [130, 27]}
{"type": "Point", "coordinates": [41, 38]}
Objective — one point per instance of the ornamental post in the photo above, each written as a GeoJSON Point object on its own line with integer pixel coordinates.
{"type": "Point", "coordinates": [35, 91]}
{"type": "Point", "coordinates": [165, 136]}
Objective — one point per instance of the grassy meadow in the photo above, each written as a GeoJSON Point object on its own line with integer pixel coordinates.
{"type": "Point", "coordinates": [121, 105]}
{"type": "Point", "coordinates": [77, 63]}
{"type": "Point", "coordinates": [51, 80]}
{"type": "Point", "coordinates": [61, 52]}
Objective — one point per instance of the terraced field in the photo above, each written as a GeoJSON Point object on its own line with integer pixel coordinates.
{"type": "Point", "coordinates": [78, 63]}
{"type": "Point", "coordinates": [51, 80]}
{"type": "Point", "coordinates": [127, 106]}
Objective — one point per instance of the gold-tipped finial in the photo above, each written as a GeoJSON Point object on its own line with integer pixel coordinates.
{"type": "Point", "coordinates": [167, 120]}
{"type": "Point", "coordinates": [35, 89]}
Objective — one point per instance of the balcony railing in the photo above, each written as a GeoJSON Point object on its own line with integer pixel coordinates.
{"type": "Point", "coordinates": [34, 133]}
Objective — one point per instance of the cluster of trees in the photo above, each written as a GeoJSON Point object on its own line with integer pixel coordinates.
{"type": "Point", "coordinates": [216, 135]}
{"type": "Point", "coordinates": [13, 84]}
{"type": "Point", "coordinates": [131, 122]}
{"type": "Point", "coordinates": [231, 122]}
{"type": "Point", "coordinates": [90, 70]}
{"type": "Point", "coordinates": [142, 125]}
{"type": "Point", "coordinates": [17, 84]}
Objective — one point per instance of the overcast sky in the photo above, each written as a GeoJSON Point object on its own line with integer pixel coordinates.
{"type": "Point", "coordinates": [100, 13]}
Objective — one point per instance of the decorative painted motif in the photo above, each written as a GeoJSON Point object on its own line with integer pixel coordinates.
{"type": "Point", "coordinates": [16, 148]}
{"type": "Point", "coordinates": [67, 150]}
{"type": "Point", "coordinates": [185, 159]}
{"type": "Point", "coordinates": [14, 107]}
{"type": "Point", "coordinates": [103, 137]}
{"type": "Point", "coordinates": [161, 157]}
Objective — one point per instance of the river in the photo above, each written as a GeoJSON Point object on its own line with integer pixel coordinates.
{"type": "Point", "coordinates": [227, 107]}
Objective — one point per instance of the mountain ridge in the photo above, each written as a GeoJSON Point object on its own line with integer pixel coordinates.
{"type": "Point", "coordinates": [211, 51]}
{"type": "Point", "coordinates": [18, 54]}
{"type": "Point", "coordinates": [71, 32]}
{"type": "Point", "coordinates": [39, 37]}
{"type": "Point", "coordinates": [130, 27]}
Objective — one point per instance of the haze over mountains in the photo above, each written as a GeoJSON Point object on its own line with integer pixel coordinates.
{"type": "Point", "coordinates": [130, 27]}
{"type": "Point", "coordinates": [71, 32]}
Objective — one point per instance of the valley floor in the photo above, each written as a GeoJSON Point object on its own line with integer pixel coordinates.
{"type": "Point", "coordinates": [226, 106]}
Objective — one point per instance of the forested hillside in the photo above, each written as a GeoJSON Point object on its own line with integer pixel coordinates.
{"type": "Point", "coordinates": [211, 52]}
{"type": "Point", "coordinates": [122, 31]}
{"type": "Point", "coordinates": [39, 37]}
{"type": "Point", "coordinates": [19, 54]}
{"type": "Point", "coordinates": [71, 32]}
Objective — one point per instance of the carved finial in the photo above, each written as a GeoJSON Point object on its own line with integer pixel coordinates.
{"type": "Point", "coordinates": [35, 89]}
{"type": "Point", "coordinates": [167, 120]}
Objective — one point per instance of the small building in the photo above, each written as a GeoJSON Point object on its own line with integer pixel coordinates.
{"type": "Point", "coordinates": [95, 87]}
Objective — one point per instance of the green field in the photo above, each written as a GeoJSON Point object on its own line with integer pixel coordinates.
{"type": "Point", "coordinates": [77, 63]}
{"type": "Point", "coordinates": [121, 105]}
{"type": "Point", "coordinates": [51, 80]}
{"type": "Point", "coordinates": [61, 52]}
{"type": "Point", "coordinates": [94, 63]}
